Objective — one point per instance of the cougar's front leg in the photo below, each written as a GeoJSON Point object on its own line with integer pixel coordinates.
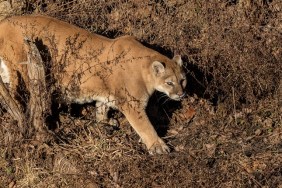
{"type": "Point", "coordinates": [139, 121]}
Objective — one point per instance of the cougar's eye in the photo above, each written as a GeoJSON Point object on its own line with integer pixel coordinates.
{"type": "Point", "coordinates": [170, 83]}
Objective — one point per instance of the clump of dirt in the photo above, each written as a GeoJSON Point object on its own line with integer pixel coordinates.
{"type": "Point", "coordinates": [226, 133]}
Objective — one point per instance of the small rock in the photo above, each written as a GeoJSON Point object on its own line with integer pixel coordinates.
{"type": "Point", "coordinates": [179, 148]}
{"type": "Point", "coordinates": [267, 122]}
{"type": "Point", "coordinates": [210, 148]}
{"type": "Point", "coordinates": [258, 132]}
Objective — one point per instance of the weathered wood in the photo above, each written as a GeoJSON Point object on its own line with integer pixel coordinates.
{"type": "Point", "coordinates": [39, 103]}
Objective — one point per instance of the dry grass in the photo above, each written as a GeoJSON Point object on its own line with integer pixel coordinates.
{"type": "Point", "coordinates": [233, 52]}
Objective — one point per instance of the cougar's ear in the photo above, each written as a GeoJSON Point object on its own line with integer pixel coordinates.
{"type": "Point", "coordinates": [158, 67]}
{"type": "Point", "coordinates": [178, 60]}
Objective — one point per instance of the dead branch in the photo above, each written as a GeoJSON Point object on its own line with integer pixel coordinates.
{"type": "Point", "coordinates": [11, 106]}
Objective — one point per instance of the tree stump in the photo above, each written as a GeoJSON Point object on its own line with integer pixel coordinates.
{"type": "Point", "coordinates": [40, 101]}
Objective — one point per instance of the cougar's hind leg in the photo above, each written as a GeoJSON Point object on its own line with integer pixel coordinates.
{"type": "Point", "coordinates": [102, 114]}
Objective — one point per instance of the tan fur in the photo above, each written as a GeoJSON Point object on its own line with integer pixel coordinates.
{"type": "Point", "coordinates": [119, 73]}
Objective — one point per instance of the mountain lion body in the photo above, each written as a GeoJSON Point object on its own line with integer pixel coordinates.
{"type": "Point", "coordinates": [119, 73]}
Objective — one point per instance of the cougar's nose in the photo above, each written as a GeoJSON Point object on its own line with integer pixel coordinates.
{"type": "Point", "coordinates": [181, 94]}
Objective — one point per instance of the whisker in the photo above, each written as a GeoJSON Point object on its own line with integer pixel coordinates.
{"type": "Point", "coordinates": [168, 117]}
{"type": "Point", "coordinates": [161, 97]}
{"type": "Point", "coordinates": [168, 99]}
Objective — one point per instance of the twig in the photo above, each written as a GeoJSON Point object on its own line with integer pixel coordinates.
{"type": "Point", "coordinates": [234, 105]}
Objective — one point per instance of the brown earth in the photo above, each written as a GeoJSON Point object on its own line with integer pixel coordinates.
{"type": "Point", "coordinates": [226, 133]}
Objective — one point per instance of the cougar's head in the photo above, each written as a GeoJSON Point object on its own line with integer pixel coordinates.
{"type": "Point", "coordinates": [170, 77]}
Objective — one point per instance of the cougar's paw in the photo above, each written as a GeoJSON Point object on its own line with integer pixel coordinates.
{"type": "Point", "coordinates": [113, 122]}
{"type": "Point", "coordinates": [159, 147]}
